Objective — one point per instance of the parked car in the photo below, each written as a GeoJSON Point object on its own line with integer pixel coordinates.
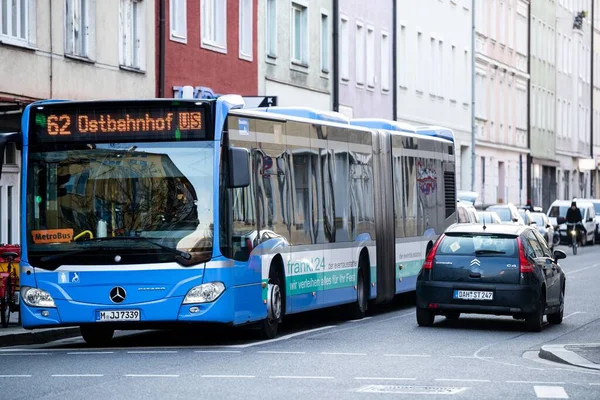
{"type": "Point", "coordinates": [544, 227]}
{"type": "Point", "coordinates": [508, 213]}
{"type": "Point", "coordinates": [526, 215]}
{"type": "Point", "coordinates": [596, 203]}
{"type": "Point", "coordinates": [466, 213]}
{"type": "Point", "coordinates": [467, 196]}
{"type": "Point", "coordinates": [500, 270]}
{"type": "Point", "coordinates": [559, 209]}
{"type": "Point", "coordinates": [489, 217]}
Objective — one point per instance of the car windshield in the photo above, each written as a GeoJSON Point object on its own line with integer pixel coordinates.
{"type": "Point", "coordinates": [478, 245]}
{"type": "Point", "coordinates": [157, 191]}
{"type": "Point", "coordinates": [561, 211]}
{"type": "Point", "coordinates": [597, 208]}
{"type": "Point", "coordinates": [538, 218]}
{"type": "Point", "coordinates": [503, 213]}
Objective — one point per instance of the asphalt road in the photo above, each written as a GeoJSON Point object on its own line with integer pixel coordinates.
{"type": "Point", "coordinates": [319, 355]}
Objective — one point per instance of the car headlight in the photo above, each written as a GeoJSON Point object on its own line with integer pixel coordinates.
{"type": "Point", "coordinates": [204, 293]}
{"type": "Point", "coordinates": [35, 297]}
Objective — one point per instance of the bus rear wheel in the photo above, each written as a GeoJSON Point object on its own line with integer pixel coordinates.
{"type": "Point", "coordinates": [358, 309]}
{"type": "Point", "coordinates": [96, 335]}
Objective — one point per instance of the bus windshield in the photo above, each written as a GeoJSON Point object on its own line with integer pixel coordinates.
{"type": "Point", "coordinates": [162, 192]}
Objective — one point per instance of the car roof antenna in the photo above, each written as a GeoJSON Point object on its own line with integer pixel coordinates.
{"type": "Point", "coordinates": [484, 222]}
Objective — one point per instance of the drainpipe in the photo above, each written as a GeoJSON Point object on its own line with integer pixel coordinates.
{"type": "Point", "coordinates": [594, 175]}
{"type": "Point", "coordinates": [529, 157]}
{"type": "Point", "coordinates": [473, 125]}
{"type": "Point", "coordinates": [336, 57]}
{"type": "Point", "coordinates": [395, 59]}
{"type": "Point", "coordinates": [161, 50]}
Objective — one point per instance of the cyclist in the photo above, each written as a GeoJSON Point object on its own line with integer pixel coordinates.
{"type": "Point", "coordinates": [574, 217]}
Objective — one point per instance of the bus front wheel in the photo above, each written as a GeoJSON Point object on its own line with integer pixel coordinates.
{"type": "Point", "coordinates": [268, 327]}
{"type": "Point", "coordinates": [96, 335]}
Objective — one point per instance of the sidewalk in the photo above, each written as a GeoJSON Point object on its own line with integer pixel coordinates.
{"type": "Point", "coordinates": [580, 348]}
{"type": "Point", "coordinates": [15, 335]}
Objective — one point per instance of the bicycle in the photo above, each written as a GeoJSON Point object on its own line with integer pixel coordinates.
{"type": "Point", "coordinates": [573, 231]}
{"type": "Point", "coordinates": [8, 285]}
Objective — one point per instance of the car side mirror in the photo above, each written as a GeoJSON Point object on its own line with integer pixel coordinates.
{"type": "Point", "coordinates": [239, 167]}
{"type": "Point", "coordinates": [559, 255]}
{"type": "Point", "coordinates": [548, 226]}
{"type": "Point", "coordinates": [515, 220]}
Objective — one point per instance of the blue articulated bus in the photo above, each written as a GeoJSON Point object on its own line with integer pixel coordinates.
{"type": "Point", "coordinates": [142, 214]}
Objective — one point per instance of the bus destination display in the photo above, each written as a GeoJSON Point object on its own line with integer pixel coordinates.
{"type": "Point", "coordinates": [99, 124]}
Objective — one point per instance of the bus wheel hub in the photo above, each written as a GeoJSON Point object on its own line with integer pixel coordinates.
{"type": "Point", "coordinates": [274, 302]}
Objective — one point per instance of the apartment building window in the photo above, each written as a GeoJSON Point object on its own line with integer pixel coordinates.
{"type": "Point", "coordinates": [511, 25]}
{"type": "Point", "coordinates": [178, 13]}
{"type": "Point", "coordinates": [385, 62]}
{"type": "Point", "coordinates": [17, 21]}
{"type": "Point", "coordinates": [79, 27]}
{"type": "Point", "coordinates": [433, 64]}
{"type": "Point", "coordinates": [452, 80]}
{"type": "Point", "coordinates": [324, 43]}
{"type": "Point", "coordinates": [271, 28]}
{"type": "Point", "coordinates": [10, 154]}
{"type": "Point", "coordinates": [299, 34]}
{"type": "Point", "coordinates": [402, 54]}
{"type": "Point", "coordinates": [493, 19]}
{"type": "Point", "coordinates": [214, 25]}
{"type": "Point", "coordinates": [9, 204]}
{"type": "Point", "coordinates": [419, 73]}
{"type": "Point", "coordinates": [344, 48]}
{"type": "Point", "coordinates": [360, 54]}
{"type": "Point", "coordinates": [246, 30]}
{"type": "Point", "coordinates": [466, 77]}
{"type": "Point", "coordinates": [370, 57]}
{"type": "Point", "coordinates": [502, 22]}
{"type": "Point", "coordinates": [132, 23]}
{"type": "Point", "coordinates": [440, 70]}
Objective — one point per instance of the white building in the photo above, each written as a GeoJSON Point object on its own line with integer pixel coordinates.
{"type": "Point", "coordinates": [596, 115]}
{"type": "Point", "coordinates": [573, 99]}
{"type": "Point", "coordinates": [73, 49]}
{"type": "Point", "coordinates": [501, 100]}
{"type": "Point", "coordinates": [434, 71]}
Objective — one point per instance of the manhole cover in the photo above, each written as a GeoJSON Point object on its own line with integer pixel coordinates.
{"type": "Point", "coordinates": [411, 389]}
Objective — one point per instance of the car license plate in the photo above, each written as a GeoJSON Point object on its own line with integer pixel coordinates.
{"type": "Point", "coordinates": [473, 295]}
{"type": "Point", "coordinates": [117, 315]}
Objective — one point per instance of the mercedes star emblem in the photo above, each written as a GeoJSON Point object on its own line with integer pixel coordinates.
{"type": "Point", "coordinates": [117, 294]}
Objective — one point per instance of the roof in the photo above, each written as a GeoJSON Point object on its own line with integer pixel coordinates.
{"type": "Point", "coordinates": [505, 229]}
{"type": "Point", "coordinates": [588, 200]}
{"type": "Point", "coordinates": [579, 202]}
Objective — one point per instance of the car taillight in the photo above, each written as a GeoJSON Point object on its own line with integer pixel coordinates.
{"type": "Point", "coordinates": [524, 264]}
{"type": "Point", "coordinates": [428, 264]}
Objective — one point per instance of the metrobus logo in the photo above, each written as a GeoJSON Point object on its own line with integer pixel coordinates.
{"type": "Point", "coordinates": [52, 236]}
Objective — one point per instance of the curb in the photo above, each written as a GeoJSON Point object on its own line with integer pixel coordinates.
{"type": "Point", "coordinates": [558, 353]}
{"type": "Point", "coordinates": [41, 336]}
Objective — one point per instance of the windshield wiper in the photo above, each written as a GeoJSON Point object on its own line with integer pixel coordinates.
{"type": "Point", "coordinates": [183, 254]}
{"type": "Point", "coordinates": [489, 252]}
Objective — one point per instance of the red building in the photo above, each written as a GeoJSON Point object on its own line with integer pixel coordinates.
{"type": "Point", "coordinates": [207, 43]}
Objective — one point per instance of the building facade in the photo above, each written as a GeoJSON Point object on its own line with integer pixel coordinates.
{"type": "Point", "coordinates": [71, 49]}
{"type": "Point", "coordinates": [365, 59]}
{"type": "Point", "coordinates": [501, 92]}
{"type": "Point", "coordinates": [434, 71]}
{"type": "Point", "coordinates": [208, 44]}
{"type": "Point", "coordinates": [294, 52]}
{"type": "Point", "coordinates": [543, 118]}
{"type": "Point", "coordinates": [595, 187]}
{"type": "Point", "coordinates": [573, 99]}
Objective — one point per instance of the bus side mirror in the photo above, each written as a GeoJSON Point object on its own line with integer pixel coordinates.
{"type": "Point", "coordinates": [13, 137]}
{"type": "Point", "coordinates": [239, 167]}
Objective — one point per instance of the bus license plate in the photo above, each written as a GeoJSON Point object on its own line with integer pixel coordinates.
{"type": "Point", "coordinates": [473, 295]}
{"type": "Point", "coordinates": [117, 315]}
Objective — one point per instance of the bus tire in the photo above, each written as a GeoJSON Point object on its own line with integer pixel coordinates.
{"type": "Point", "coordinates": [275, 303]}
{"type": "Point", "coordinates": [358, 309]}
{"type": "Point", "coordinates": [95, 335]}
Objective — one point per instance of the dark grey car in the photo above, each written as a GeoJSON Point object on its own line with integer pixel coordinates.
{"type": "Point", "coordinates": [496, 269]}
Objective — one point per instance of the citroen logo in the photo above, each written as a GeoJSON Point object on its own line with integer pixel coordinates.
{"type": "Point", "coordinates": [117, 294]}
{"type": "Point", "coordinates": [475, 262]}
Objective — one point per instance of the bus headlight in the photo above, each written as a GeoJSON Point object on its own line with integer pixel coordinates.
{"type": "Point", "coordinates": [35, 297]}
{"type": "Point", "coordinates": [204, 293]}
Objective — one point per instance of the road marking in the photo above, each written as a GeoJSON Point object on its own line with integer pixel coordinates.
{"type": "Point", "coordinates": [360, 320]}
{"type": "Point", "coordinates": [15, 376]}
{"type": "Point", "coordinates": [581, 269]}
{"type": "Point", "coordinates": [151, 376]}
{"type": "Point", "coordinates": [89, 353]}
{"type": "Point", "coordinates": [374, 378]}
{"type": "Point", "coordinates": [472, 357]}
{"type": "Point", "coordinates": [217, 351]}
{"type": "Point", "coordinates": [595, 384]}
{"type": "Point", "coordinates": [462, 380]}
{"type": "Point", "coordinates": [152, 352]}
{"type": "Point", "coordinates": [550, 392]}
{"type": "Point", "coordinates": [24, 354]}
{"type": "Point", "coordinates": [286, 337]}
{"type": "Point", "coordinates": [280, 352]}
{"type": "Point", "coordinates": [574, 313]}
{"type": "Point", "coordinates": [537, 382]}
{"type": "Point", "coordinates": [228, 376]}
{"type": "Point", "coordinates": [300, 377]}
{"type": "Point", "coordinates": [77, 375]}
{"type": "Point", "coordinates": [344, 354]}
{"type": "Point", "coordinates": [407, 355]}
{"type": "Point", "coordinates": [397, 316]}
